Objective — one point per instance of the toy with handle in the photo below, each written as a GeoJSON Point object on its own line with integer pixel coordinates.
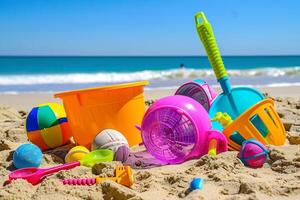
{"type": "Point", "coordinates": [35, 175]}
{"type": "Point", "coordinates": [233, 101]}
{"type": "Point", "coordinates": [123, 176]}
{"type": "Point", "coordinates": [177, 128]}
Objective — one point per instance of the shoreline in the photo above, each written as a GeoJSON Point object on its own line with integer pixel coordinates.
{"type": "Point", "coordinates": [26, 101]}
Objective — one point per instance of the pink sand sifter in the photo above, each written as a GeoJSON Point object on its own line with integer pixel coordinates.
{"type": "Point", "coordinates": [198, 90]}
{"type": "Point", "coordinates": [177, 128]}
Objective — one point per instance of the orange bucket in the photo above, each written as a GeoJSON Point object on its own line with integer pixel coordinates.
{"type": "Point", "coordinates": [261, 122]}
{"type": "Point", "coordinates": [119, 107]}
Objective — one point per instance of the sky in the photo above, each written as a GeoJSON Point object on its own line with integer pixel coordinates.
{"type": "Point", "coordinates": [147, 27]}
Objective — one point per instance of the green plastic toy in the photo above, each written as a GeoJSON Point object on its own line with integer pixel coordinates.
{"type": "Point", "coordinates": [232, 101]}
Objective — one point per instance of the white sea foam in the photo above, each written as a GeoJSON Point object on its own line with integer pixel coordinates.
{"type": "Point", "coordinates": [113, 77]}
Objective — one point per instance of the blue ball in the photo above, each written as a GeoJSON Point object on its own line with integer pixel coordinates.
{"type": "Point", "coordinates": [196, 184]}
{"type": "Point", "coordinates": [27, 155]}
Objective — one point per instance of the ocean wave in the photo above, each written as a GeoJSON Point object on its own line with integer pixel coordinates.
{"type": "Point", "coordinates": [114, 77]}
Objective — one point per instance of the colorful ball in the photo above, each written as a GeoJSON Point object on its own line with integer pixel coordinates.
{"type": "Point", "coordinates": [113, 140]}
{"type": "Point", "coordinates": [253, 153]}
{"type": "Point", "coordinates": [76, 153]}
{"type": "Point", "coordinates": [47, 126]}
{"type": "Point", "coordinates": [27, 155]}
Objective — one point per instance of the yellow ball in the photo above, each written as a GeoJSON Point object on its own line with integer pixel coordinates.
{"type": "Point", "coordinates": [76, 153]}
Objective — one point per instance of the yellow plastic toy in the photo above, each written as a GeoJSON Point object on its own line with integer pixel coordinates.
{"type": "Point", "coordinates": [261, 122]}
{"type": "Point", "coordinates": [124, 176]}
{"type": "Point", "coordinates": [223, 118]}
{"type": "Point", "coordinates": [212, 147]}
{"type": "Point", "coordinates": [118, 107]}
{"type": "Point", "coordinates": [76, 153]}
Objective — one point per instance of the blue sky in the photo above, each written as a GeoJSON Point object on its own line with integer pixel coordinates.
{"type": "Point", "coordinates": [147, 27]}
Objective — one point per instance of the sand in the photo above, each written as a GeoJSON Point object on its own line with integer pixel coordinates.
{"type": "Point", "coordinates": [225, 177]}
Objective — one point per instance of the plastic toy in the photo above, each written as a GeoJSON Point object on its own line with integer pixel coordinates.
{"type": "Point", "coordinates": [113, 140]}
{"type": "Point", "coordinates": [27, 155]}
{"type": "Point", "coordinates": [177, 128]}
{"type": "Point", "coordinates": [232, 101]}
{"type": "Point", "coordinates": [122, 153]}
{"type": "Point", "coordinates": [47, 126]}
{"type": "Point", "coordinates": [223, 118]}
{"type": "Point", "coordinates": [93, 110]}
{"type": "Point", "coordinates": [198, 90]}
{"type": "Point", "coordinates": [123, 176]}
{"type": "Point", "coordinates": [35, 175]}
{"type": "Point", "coordinates": [76, 153]}
{"type": "Point", "coordinates": [253, 153]}
{"type": "Point", "coordinates": [261, 122]}
{"type": "Point", "coordinates": [109, 139]}
{"type": "Point", "coordinates": [212, 147]}
{"type": "Point", "coordinates": [196, 184]}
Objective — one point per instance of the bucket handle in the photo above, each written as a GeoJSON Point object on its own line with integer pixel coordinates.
{"type": "Point", "coordinates": [140, 129]}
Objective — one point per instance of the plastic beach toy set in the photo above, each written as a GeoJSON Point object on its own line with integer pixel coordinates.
{"type": "Point", "coordinates": [106, 121]}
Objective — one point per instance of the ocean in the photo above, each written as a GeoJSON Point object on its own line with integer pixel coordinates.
{"type": "Point", "coordinates": [21, 74]}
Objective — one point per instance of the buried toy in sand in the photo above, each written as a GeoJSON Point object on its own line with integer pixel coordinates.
{"type": "Point", "coordinates": [253, 153]}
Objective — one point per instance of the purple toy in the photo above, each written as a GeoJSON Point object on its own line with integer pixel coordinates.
{"type": "Point", "coordinates": [253, 153]}
{"type": "Point", "coordinates": [122, 153]}
{"type": "Point", "coordinates": [198, 90]}
{"type": "Point", "coordinates": [177, 128]}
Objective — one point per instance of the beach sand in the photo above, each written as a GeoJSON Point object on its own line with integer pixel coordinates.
{"type": "Point", "coordinates": [225, 177]}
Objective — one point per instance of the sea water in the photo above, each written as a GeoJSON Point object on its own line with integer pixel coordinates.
{"type": "Point", "coordinates": [50, 74]}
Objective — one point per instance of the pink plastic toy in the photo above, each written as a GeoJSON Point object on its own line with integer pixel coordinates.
{"type": "Point", "coordinates": [198, 90]}
{"type": "Point", "coordinates": [35, 175]}
{"type": "Point", "coordinates": [253, 153]}
{"type": "Point", "coordinates": [177, 128]}
{"type": "Point", "coordinates": [124, 176]}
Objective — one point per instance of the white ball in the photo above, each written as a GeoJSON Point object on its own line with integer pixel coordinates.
{"type": "Point", "coordinates": [109, 139]}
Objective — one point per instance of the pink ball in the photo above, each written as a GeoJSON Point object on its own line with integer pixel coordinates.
{"type": "Point", "coordinates": [253, 153]}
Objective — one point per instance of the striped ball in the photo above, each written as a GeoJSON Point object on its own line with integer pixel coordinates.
{"type": "Point", "coordinates": [47, 126]}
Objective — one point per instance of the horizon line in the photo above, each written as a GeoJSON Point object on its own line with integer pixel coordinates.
{"type": "Point", "coordinates": [74, 55]}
